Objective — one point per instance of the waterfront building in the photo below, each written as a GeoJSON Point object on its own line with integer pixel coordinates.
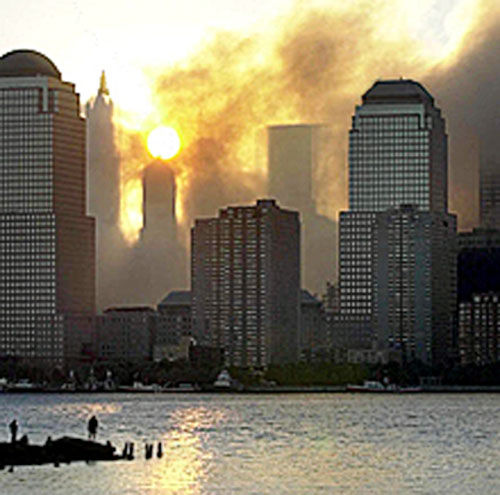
{"type": "Point", "coordinates": [397, 157]}
{"type": "Point", "coordinates": [245, 276]}
{"type": "Point", "coordinates": [47, 242]}
{"type": "Point", "coordinates": [479, 329]}
{"type": "Point", "coordinates": [414, 274]}
{"type": "Point", "coordinates": [477, 263]}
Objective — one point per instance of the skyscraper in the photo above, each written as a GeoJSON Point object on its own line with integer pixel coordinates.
{"type": "Point", "coordinates": [398, 168]}
{"type": "Point", "coordinates": [47, 258]}
{"type": "Point", "coordinates": [103, 161]}
{"type": "Point", "coordinates": [245, 276]}
{"type": "Point", "coordinates": [103, 165]}
{"type": "Point", "coordinates": [294, 154]}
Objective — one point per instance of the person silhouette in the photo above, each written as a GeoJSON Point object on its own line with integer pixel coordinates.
{"type": "Point", "coordinates": [92, 427]}
{"type": "Point", "coordinates": [13, 430]}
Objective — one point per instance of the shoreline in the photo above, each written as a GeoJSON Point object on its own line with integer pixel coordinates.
{"type": "Point", "coordinates": [326, 389]}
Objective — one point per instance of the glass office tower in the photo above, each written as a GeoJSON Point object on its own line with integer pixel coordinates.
{"type": "Point", "coordinates": [397, 160]}
{"type": "Point", "coordinates": [47, 260]}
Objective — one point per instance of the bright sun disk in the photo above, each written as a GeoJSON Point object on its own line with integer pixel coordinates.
{"type": "Point", "coordinates": [164, 142]}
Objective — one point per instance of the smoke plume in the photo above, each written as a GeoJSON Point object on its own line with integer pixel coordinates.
{"type": "Point", "coordinates": [312, 66]}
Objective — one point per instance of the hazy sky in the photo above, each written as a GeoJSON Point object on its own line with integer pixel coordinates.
{"type": "Point", "coordinates": [126, 37]}
{"type": "Point", "coordinates": [219, 71]}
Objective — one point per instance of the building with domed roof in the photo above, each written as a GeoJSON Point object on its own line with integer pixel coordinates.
{"type": "Point", "coordinates": [47, 254]}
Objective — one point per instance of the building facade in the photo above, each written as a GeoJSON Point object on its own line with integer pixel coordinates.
{"type": "Point", "coordinates": [47, 254]}
{"type": "Point", "coordinates": [477, 263]}
{"type": "Point", "coordinates": [397, 158]}
{"type": "Point", "coordinates": [126, 334]}
{"type": "Point", "coordinates": [245, 276]}
{"type": "Point", "coordinates": [479, 329]}
{"type": "Point", "coordinates": [313, 337]}
{"type": "Point", "coordinates": [173, 325]}
{"type": "Point", "coordinates": [413, 259]}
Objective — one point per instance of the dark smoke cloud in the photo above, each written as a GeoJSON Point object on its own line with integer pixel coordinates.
{"type": "Point", "coordinates": [314, 69]}
{"type": "Point", "coordinates": [468, 92]}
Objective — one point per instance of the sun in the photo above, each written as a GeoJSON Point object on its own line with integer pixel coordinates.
{"type": "Point", "coordinates": [164, 142]}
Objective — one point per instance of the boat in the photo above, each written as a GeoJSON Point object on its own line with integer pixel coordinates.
{"type": "Point", "coordinates": [23, 385]}
{"type": "Point", "coordinates": [181, 387]}
{"type": "Point", "coordinates": [140, 387]}
{"type": "Point", "coordinates": [223, 381]}
{"type": "Point", "coordinates": [371, 386]}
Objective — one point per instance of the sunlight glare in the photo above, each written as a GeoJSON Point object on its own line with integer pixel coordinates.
{"type": "Point", "coordinates": [164, 142]}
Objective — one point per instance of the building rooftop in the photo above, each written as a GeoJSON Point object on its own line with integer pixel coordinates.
{"type": "Point", "coordinates": [129, 309]}
{"type": "Point", "coordinates": [27, 63]}
{"type": "Point", "coordinates": [176, 298]}
{"type": "Point", "coordinates": [397, 91]}
{"type": "Point", "coordinates": [307, 298]}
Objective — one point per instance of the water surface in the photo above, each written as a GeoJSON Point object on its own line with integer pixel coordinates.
{"type": "Point", "coordinates": [267, 444]}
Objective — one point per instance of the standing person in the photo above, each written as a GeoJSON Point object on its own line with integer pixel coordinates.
{"type": "Point", "coordinates": [93, 424]}
{"type": "Point", "coordinates": [13, 430]}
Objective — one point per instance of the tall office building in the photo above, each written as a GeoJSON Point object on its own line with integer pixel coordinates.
{"type": "Point", "coordinates": [294, 155]}
{"type": "Point", "coordinates": [103, 160]}
{"type": "Point", "coordinates": [158, 185]}
{"type": "Point", "coordinates": [397, 168]}
{"type": "Point", "coordinates": [245, 277]}
{"type": "Point", "coordinates": [47, 258]}
{"type": "Point", "coordinates": [414, 273]}
{"type": "Point", "coordinates": [103, 166]}
{"type": "Point", "coordinates": [292, 158]}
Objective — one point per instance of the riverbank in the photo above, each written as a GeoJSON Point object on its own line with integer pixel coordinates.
{"type": "Point", "coordinates": [292, 389]}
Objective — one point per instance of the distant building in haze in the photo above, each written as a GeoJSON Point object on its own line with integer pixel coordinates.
{"type": "Point", "coordinates": [398, 214]}
{"type": "Point", "coordinates": [103, 167]}
{"type": "Point", "coordinates": [103, 161]}
{"type": "Point", "coordinates": [294, 153]}
{"type": "Point", "coordinates": [47, 243]}
{"type": "Point", "coordinates": [245, 276]}
{"type": "Point", "coordinates": [158, 185]}
{"type": "Point", "coordinates": [292, 157]}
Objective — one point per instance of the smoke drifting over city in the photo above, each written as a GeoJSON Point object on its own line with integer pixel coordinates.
{"type": "Point", "coordinates": [312, 69]}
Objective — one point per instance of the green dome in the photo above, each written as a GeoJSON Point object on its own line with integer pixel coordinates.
{"type": "Point", "coordinates": [27, 63]}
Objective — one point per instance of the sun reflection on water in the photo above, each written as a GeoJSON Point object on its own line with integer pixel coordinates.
{"type": "Point", "coordinates": [187, 460]}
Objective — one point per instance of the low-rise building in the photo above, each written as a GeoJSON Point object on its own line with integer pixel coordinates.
{"type": "Point", "coordinates": [126, 334]}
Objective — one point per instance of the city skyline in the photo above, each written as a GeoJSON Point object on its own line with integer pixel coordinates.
{"type": "Point", "coordinates": [309, 70]}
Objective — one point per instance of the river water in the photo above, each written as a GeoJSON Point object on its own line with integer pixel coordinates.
{"type": "Point", "coordinates": [292, 444]}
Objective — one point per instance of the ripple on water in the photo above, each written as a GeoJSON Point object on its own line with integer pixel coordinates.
{"type": "Point", "coordinates": [222, 444]}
